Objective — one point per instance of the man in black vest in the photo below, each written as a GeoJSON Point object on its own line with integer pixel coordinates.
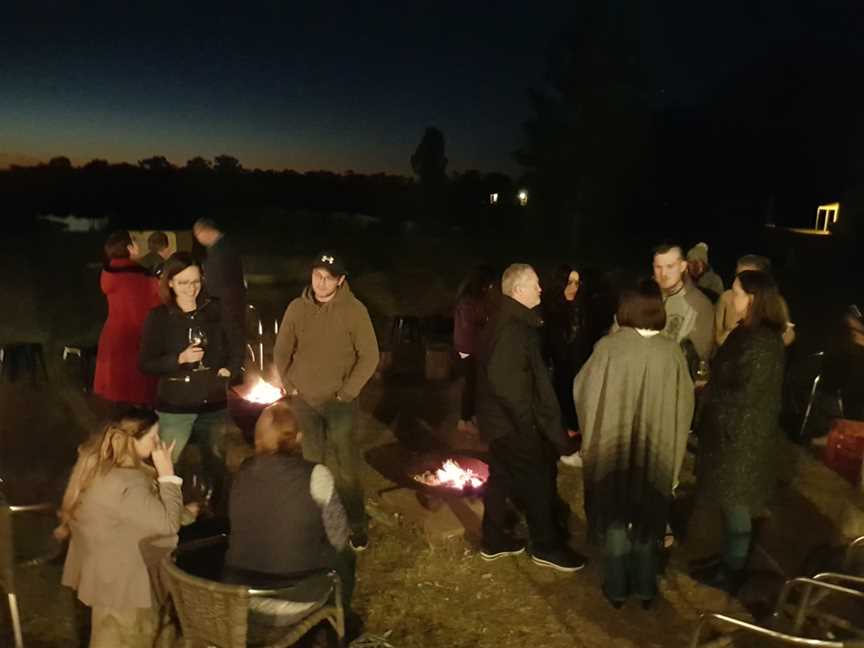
{"type": "Point", "coordinates": [518, 414]}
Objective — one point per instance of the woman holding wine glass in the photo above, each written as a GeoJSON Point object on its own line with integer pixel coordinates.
{"type": "Point", "coordinates": [194, 353]}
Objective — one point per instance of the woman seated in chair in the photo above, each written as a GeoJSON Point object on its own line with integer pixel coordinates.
{"type": "Point", "coordinates": [286, 517]}
{"type": "Point", "coordinates": [122, 492]}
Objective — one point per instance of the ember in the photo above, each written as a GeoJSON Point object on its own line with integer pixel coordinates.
{"type": "Point", "coordinates": [263, 392]}
{"type": "Point", "coordinates": [450, 475]}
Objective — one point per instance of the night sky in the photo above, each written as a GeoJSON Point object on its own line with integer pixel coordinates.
{"type": "Point", "coordinates": [334, 85]}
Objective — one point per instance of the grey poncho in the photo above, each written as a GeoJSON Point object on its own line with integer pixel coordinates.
{"type": "Point", "coordinates": [634, 400]}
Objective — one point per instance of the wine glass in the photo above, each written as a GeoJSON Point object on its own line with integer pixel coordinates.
{"type": "Point", "coordinates": [703, 373]}
{"type": "Point", "coordinates": [198, 337]}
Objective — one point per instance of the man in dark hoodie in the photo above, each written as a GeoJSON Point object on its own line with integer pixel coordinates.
{"type": "Point", "coordinates": [518, 414]}
{"type": "Point", "coordinates": [326, 351]}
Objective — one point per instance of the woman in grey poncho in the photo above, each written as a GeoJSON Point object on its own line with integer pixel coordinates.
{"type": "Point", "coordinates": [634, 401]}
{"type": "Point", "coordinates": [739, 427]}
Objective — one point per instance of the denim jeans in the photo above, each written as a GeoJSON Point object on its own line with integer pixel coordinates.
{"type": "Point", "coordinates": [206, 430]}
{"type": "Point", "coordinates": [630, 567]}
{"type": "Point", "coordinates": [738, 532]}
{"type": "Point", "coordinates": [331, 424]}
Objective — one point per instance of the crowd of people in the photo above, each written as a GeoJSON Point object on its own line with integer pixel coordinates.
{"type": "Point", "coordinates": [549, 375]}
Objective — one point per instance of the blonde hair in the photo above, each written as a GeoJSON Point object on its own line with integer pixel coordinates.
{"type": "Point", "coordinates": [113, 447]}
{"type": "Point", "coordinates": [277, 430]}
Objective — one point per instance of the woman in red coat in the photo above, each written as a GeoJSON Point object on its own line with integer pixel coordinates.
{"type": "Point", "coordinates": [131, 293]}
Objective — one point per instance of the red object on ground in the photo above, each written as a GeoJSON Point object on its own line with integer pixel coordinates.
{"type": "Point", "coordinates": [131, 293]}
{"type": "Point", "coordinates": [844, 450]}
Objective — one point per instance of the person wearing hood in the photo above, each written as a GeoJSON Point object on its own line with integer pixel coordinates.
{"type": "Point", "coordinates": [326, 351]}
{"type": "Point", "coordinates": [702, 274]}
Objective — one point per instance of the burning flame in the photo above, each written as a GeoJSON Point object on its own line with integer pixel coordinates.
{"type": "Point", "coordinates": [450, 475]}
{"type": "Point", "coordinates": [263, 392]}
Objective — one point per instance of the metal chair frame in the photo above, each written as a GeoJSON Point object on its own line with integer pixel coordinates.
{"type": "Point", "coordinates": [11, 596]}
{"type": "Point", "coordinates": [813, 389]}
{"type": "Point", "coordinates": [815, 590]}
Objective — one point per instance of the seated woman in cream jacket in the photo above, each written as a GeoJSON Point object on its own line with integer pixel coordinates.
{"type": "Point", "coordinates": [122, 491]}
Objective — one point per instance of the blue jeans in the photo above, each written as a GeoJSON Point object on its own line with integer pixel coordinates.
{"type": "Point", "coordinates": [332, 423]}
{"type": "Point", "coordinates": [630, 567]}
{"type": "Point", "coordinates": [206, 430]}
{"type": "Point", "coordinates": [738, 532]}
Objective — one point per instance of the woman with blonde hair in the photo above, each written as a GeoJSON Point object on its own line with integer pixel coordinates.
{"type": "Point", "coordinates": [122, 491]}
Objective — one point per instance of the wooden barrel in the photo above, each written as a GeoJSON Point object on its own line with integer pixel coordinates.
{"type": "Point", "coordinates": [439, 361]}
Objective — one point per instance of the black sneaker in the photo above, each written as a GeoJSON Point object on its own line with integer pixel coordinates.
{"type": "Point", "coordinates": [564, 560]}
{"type": "Point", "coordinates": [359, 541]}
{"type": "Point", "coordinates": [510, 547]}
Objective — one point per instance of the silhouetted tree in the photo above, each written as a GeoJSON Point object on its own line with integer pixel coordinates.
{"type": "Point", "coordinates": [60, 162]}
{"type": "Point", "coordinates": [156, 163]}
{"type": "Point", "coordinates": [199, 163]}
{"type": "Point", "coordinates": [226, 164]}
{"type": "Point", "coordinates": [430, 165]}
{"type": "Point", "coordinates": [588, 149]}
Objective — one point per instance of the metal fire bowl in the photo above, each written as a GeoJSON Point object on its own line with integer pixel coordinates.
{"type": "Point", "coordinates": [399, 465]}
{"type": "Point", "coordinates": [245, 414]}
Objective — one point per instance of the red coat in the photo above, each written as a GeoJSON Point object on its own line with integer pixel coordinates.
{"type": "Point", "coordinates": [131, 293]}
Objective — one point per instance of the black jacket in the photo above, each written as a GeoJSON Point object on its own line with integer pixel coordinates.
{"type": "Point", "coordinates": [165, 335]}
{"type": "Point", "coordinates": [515, 397]}
{"type": "Point", "coordinates": [223, 275]}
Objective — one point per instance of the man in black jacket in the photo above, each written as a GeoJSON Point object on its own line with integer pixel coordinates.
{"type": "Point", "coordinates": [518, 414]}
{"type": "Point", "coordinates": [223, 276]}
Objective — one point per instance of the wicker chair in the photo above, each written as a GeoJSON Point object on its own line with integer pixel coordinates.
{"type": "Point", "coordinates": [216, 614]}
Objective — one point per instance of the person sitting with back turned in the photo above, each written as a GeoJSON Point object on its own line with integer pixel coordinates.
{"type": "Point", "coordinates": [286, 518]}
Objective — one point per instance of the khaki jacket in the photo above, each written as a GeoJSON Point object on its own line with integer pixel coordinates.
{"type": "Point", "coordinates": [326, 350]}
{"type": "Point", "coordinates": [116, 515]}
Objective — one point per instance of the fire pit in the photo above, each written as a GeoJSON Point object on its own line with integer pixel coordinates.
{"type": "Point", "coordinates": [453, 476]}
{"type": "Point", "coordinates": [247, 401]}
{"type": "Point", "coordinates": [434, 473]}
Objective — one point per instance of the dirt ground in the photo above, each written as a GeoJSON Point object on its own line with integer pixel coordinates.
{"type": "Point", "coordinates": [420, 583]}
{"type": "Point", "coordinates": [417, 586]}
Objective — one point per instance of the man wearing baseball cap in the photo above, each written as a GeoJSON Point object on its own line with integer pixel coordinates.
{"type": "Point", "coordinates": [326, 351]}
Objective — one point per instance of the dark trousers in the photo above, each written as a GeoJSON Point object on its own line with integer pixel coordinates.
{"type": "Point", "coordinates": [468, 368]}
{"type": "Point", "coordinates": [519, 471]}
{"type": "Point", "coordinates": [331, 425]}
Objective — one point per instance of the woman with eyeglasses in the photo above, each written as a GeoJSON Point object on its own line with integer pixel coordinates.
{"type": "Point", "coordinates": [186, 344]}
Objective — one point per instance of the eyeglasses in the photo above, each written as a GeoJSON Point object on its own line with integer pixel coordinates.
{"type": "Point", "coordinates": [183, 284]}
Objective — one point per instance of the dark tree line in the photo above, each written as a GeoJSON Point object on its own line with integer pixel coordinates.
{"type": "Point", "coordinates": [156, 193]}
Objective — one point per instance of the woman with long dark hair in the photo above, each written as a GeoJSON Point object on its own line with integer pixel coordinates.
{"type": "Point", "coordinates": [566, 335]}
{"type": "Point", "coordinates": [122, 492]}
{"type": "Point", "coordinates": [131, 293]}
{"type": "Point", "coordinates": [739, 428]}
{"type": "Point", "coordinates": [186, 345]}
{"type": "Point", "coordinates": [469, 318]}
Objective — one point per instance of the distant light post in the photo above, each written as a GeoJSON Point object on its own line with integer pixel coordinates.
{"type": "Point", "coordinates": [523, 197]}
{"type": "Point", "coordinates": [493, 198]}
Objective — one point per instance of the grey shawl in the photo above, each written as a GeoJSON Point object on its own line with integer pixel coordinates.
{"type": "Point", "coordinates": [634, 400]}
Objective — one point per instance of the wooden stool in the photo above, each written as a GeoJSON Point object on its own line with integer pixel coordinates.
{"type": "Point", "coordinates": [19, 357]}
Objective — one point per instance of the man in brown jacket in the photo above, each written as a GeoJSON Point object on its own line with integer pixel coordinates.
{"type": "Point", "coordinates": [326, 351]}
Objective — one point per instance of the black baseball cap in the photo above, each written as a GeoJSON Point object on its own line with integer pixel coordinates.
{"type": "Point", "coordinates": [331, 261]}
